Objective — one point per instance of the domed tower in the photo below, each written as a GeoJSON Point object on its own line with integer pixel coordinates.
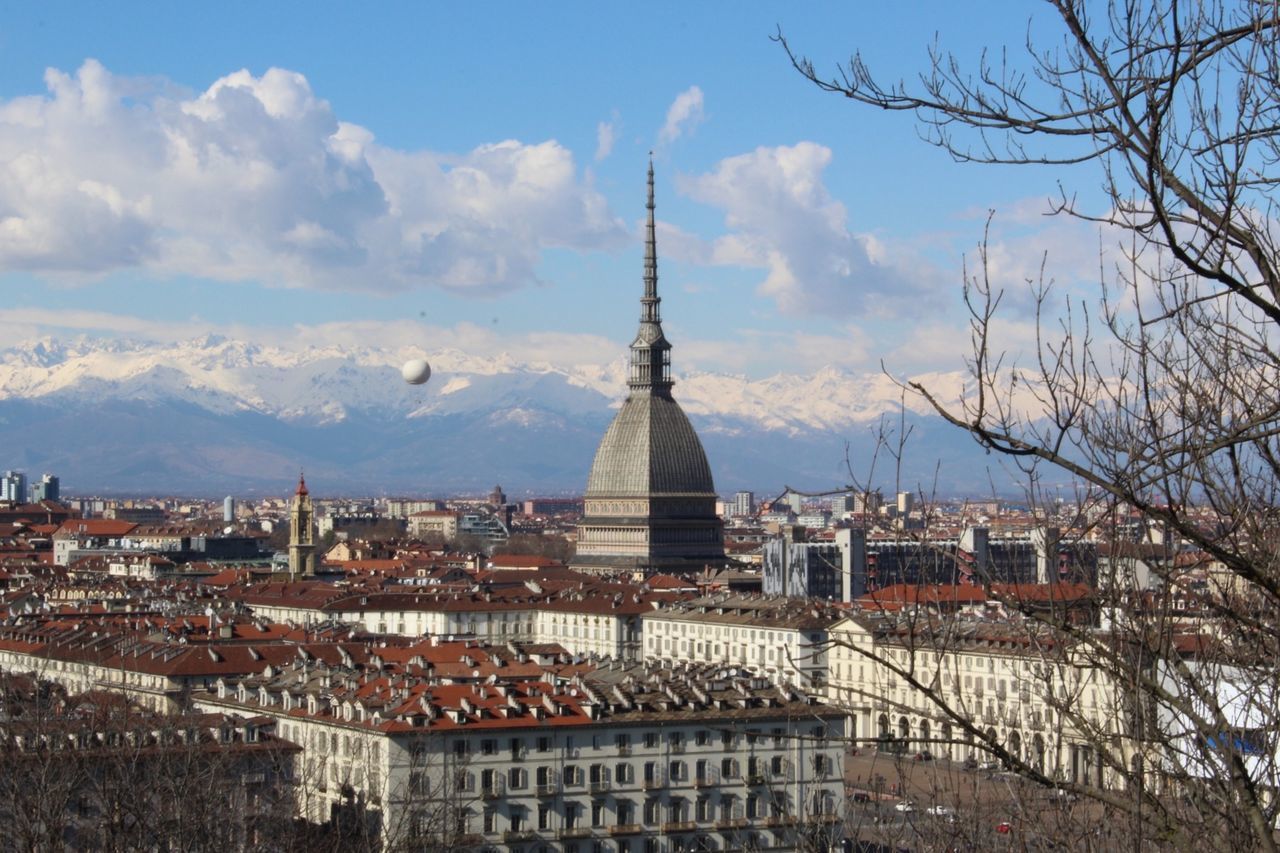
{"type": "Point", "coordinates": [650, 503]}
{"type": "Point", "coordinates": [302, 542]}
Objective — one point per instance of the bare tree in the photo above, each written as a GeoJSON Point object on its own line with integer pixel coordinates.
{"type": "Point", "coordinates": [1162, 402]}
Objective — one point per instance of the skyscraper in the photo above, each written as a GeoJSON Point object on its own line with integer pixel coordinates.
{"type": "Point", "coordinates": [45, 490]}
{"type": "Point", "coordinates": [13, 487]}
{"type": "Point", "coordinates": [650, 503]}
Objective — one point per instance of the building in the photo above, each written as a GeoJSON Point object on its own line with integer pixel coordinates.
{"type": "Point", "coordinates": [826, 570]}
{"type": "Point", "coordinates": [650, 503]}
{"type": "Point", "coordinates": [302, 541]}
{"type": "Point", "coordinates": [13, 487]}
{"type": "Point", "coordinates": [1043, 703]}
{"type": "Point", "coordinates": [783, 640]}
{"type": "Point", "coordinates": [46, 490]}
{"type": "Point", "coordinates": [744, 504]}
{"type": "Point", "coordinates": [552, 506]}
{"type": "Point", "coordinates": [434, 522]}
{"type": "Point", "coordinates": [628, 759]}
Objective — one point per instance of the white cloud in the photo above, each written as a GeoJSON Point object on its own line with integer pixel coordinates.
{"type": "Point", "coordinates": [684, 114]}
{"type": "Point", "coordinates": [256, 179]}
{"type": "Point", "coordinates": [606, 137]}
{"type": "Point", "coordinates": [780, 218]}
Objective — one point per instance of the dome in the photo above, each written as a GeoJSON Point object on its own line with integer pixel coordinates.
{"type": "Point", "coordinates": [650, 448]}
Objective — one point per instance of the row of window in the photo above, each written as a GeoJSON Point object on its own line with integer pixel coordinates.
{"type": "Point", "coordinates": [652, 812]}
{"type": "Point", "coordinates": [675, 740]}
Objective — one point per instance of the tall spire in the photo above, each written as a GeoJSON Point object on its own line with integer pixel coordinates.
{"type": "Point", "coordinates": [651, 300]}
{"type": "Point", "coordinates": [650, 351]}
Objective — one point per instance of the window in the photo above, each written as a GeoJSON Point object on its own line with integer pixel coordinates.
{"type": "Point", "coordinates": [572, 774]}
{"type": "Point", "coordinates": [519, 818]}
{"type": "Point", "coordinates": [651, 812]}
{"type": "Point", "coordinates": [517, 777]}
{"type": "Point", "coordinates": [488, 746]}
{"type": "Point", "coordinates": [544, 817]}
{"type": "Point", "coordinates": [543, 776]}
{"type": "Point", "coordinates": [572, 815]}
{"type": "Point", "coordinates": [729, 768]}
{"type": "Point", "coordinates": [544, 744]}
{"type": "Point", "coordinates": [597, 813]}
{"type": "Point", "coordinates": [626, 812]}
{"type": "Point", "coordinates": [702, 738]}
{"type": "Point", "coordinates": [489, 820]}
{"type": "Point", "coordinates": [624, 773]}
{"type": "Point", "coordinates": [651, 740]}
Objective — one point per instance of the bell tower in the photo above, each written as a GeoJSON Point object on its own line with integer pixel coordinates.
{"type": "Point", "coordinates": [302, 541]}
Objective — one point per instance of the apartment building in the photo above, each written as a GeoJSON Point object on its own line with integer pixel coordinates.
{"type": "Point", "coordinates": [605, 622]}
{"type": "Point", "coordinates": [625, 759]}
{"type": "Point", "coordinates": [783, 639]}
{"type": "Point", "coordinates": [1042, 703]}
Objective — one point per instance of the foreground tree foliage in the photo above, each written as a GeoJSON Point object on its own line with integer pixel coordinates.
{"type": "Point", "coordinates": [1162, 403]}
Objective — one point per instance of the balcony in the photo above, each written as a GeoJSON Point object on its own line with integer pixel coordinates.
{"type": "Point", "coordinates": [514, 835]}
{"type": "Point", "coordinates": [757, 779]}
{"type": "Point", "coordinates": [705, 782]}
{"type": "Point", "coordinates": [575, 832]}
{"type": "Point", "coordinates": [732, 823]}
{"type": "Point", "coordinates": [679, 826]}
{"type": "Point", "coordinates": [600, 786]}
{"type": "Point", "coordinates": [492, 791]}
{"type": "Point", "coordinates": [677, 746]}
{"type": "Point", "coordinates": [780, 820]}
{"type": "Point", "coordinates": [548, 790]}
{"type": "Point", "coordinates": [626, 829]}
{"type": "Point", "coordinates": [624, 749]}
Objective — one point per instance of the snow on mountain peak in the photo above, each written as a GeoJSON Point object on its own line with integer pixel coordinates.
{"type": "Point", "coordinates": [326, 384]}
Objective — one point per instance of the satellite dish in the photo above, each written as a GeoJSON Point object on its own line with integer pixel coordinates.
{"type": "Point", "coordinates": [416, 371]}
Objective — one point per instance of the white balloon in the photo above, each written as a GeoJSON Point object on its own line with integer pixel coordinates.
{"type": "Point", "coordinates": [416, 371]}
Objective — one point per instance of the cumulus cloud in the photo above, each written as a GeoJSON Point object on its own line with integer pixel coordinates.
{"type": "Point", "coordinates": [780, 218]}
{"type": "Point", "coordinates": [256, 178]}
{"type": "Point", "coordinates": [684, 114]}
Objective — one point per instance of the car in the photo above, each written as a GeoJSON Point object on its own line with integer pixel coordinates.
{"type": "Point", "coordinates": [924, 755]}
{"type": "Point", "coordinates": [941, 811]}
{"type": "Point", "coordinates": [905, 806]}
{"type": "Point", "coordinates": [861, 796]}
{"type": "Point", "coordinates": [1004, 827]}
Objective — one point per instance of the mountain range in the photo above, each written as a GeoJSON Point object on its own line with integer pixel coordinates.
{"type": "Point", "coordinates": [215, 415]}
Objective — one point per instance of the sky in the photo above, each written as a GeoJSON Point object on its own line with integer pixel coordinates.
{"type": "Point", "coordinates": [472, 176]}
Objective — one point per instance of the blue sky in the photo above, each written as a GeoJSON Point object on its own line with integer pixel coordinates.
{"type": "Point", "coordinates": [472, 176]}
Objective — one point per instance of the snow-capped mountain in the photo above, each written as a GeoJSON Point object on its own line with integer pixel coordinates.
{"type": "Point", "coordinates": [213, 414]}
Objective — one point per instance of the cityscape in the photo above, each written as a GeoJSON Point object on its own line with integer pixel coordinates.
{"type": "Point", "coordinates": [377, 480]}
